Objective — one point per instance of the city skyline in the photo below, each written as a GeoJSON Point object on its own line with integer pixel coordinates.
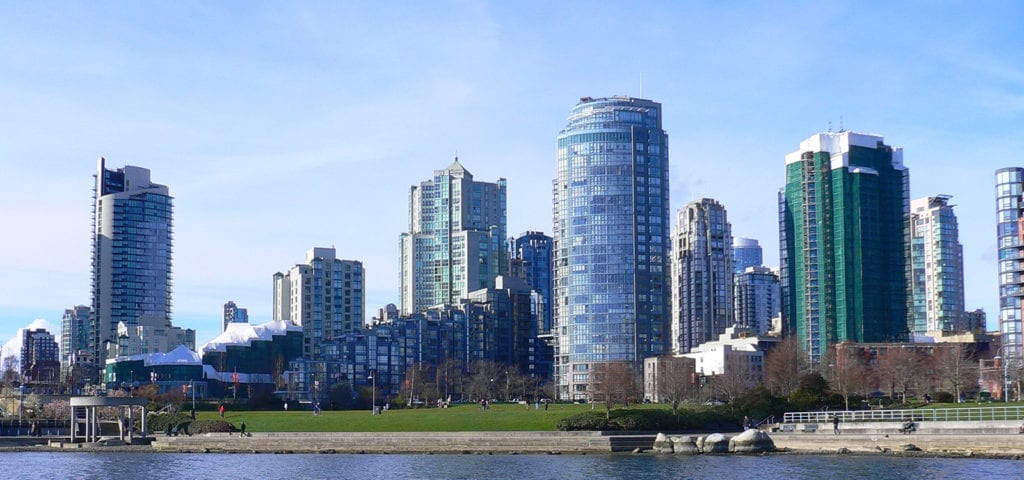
{"type": "Point", "coordinates": [250, 124]}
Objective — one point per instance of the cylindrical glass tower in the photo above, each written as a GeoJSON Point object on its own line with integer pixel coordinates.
{"type": "Point", "coordinates": [611, 240]}
{"type": "Point", "coordinates": [1009, 186]}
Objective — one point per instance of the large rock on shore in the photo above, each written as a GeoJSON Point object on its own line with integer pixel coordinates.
{"type": "Point", "coordinates": [716, 443]}
{"type": "Point", "coordinates": [751, 441]}
{"type": "Point", "coordinates": [684, 445]}
{"type": "Point", "coordinates": [662, 444]}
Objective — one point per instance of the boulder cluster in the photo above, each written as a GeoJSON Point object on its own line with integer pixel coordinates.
{"type": "Point", "coordinates": [750, 441]}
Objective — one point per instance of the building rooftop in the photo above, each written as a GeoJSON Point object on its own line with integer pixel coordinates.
{"type": "Point", "coordinates": [244, 333]}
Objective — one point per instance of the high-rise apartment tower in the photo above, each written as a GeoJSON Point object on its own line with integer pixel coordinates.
{"type": "Point", "coordinates": [325, 296]}
{"type": "Point", "coordinates": [1010, 238]}
{"type": "Point", "coordinates": [611, 239]}
{"type": "Point", "coordinates": [844, 242]}
{"type": "Point", "coordinates": [456, 241]}
{"type": "Point", "coordinates": [702, 271]}
{"type": "Point", "coordinates": [937, 260]}
{"type": "Point", "coordinates": [131, 253]}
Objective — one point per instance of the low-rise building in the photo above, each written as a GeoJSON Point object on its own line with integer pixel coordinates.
{"type": "Point", "coordinates": [667, 374]}
{"type": "Point", "coordinates": [738, 350]}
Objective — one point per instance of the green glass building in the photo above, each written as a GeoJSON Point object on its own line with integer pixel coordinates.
{"type": "Point", "coordinates": [844, 242]}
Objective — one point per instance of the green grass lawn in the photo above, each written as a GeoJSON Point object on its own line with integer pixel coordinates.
{"type": "Point", "coordinates": [458, 418]}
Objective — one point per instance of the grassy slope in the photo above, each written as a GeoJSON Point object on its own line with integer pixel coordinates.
{"type": "Point", "coordinates": [468, 417]}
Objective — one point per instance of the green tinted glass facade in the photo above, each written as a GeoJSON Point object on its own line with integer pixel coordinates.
{"type": "Point", "coordinates": [845, 242]}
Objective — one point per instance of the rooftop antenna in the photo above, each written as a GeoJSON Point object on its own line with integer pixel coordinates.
{"type": "Point", "coordinates": [830, 126]}
{"type": "Point", "coordinates": [841, 124]}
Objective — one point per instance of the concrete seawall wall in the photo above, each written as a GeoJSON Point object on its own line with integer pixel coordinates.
{"type": "Point", "coordinates": [967, 444]}
{"type": "Point", "coordinates": [988, 437]}
{"type": "Point", "coordinates": [941, 438]}
{"type": "Point", "coordinates": [407, 442]}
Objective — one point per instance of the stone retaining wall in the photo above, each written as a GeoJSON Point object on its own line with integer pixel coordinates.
{"type": "Point", "coordinates": [407, 442]}
{"type": "Point", "coordinates": [966, 444]}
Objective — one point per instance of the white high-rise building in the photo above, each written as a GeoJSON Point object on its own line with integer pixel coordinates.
{"type": "Point", "coordinates": [325, 296]}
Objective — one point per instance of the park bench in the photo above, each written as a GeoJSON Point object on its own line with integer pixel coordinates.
{"type": "Point", "coordinates": [810, 428]}
{"type": "Point", "coordinates": [788, 428]}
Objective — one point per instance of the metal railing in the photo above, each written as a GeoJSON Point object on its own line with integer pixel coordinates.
{"type": "Point", "coordinates": [917, 415]}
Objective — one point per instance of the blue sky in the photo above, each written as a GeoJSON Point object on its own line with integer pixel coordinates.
{"type": "Point", "coordinates": [280, 126]}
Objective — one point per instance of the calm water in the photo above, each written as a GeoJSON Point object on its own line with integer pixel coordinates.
{"type": "Point", "coordinates": [117, 466]}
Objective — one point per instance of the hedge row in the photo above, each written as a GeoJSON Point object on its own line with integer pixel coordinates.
{"type": "Point", "coordinates": [160, 422]}
{"type": "Point", "coordinates": [646, 420]}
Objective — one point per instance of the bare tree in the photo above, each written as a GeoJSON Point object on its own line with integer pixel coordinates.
{"type": "Point", "coordinates": [781, 373]}
{"type": "Point", "coordinates": [279, 369]}
{"type": "Point", "coordinates": [448, 377]}
{"type": "Point", "coordinates": [677, 382]}
{"type": "Point", "coordinates": [847, 371]}
{"type": "Point", "coordinates": [899, 369]}
{"type": "Point", "coordinates": [613, 382]}
{"type": "Point", "coordinates": [520, 385]}
{"type": "Point", "coordinates": [10, 369]}
{"type": "Point", "coordinates": [483, 378]}
{"type": "Point", "coordinates": [413, 385]}
{"type": "Point", "coordinates": [734, 380]}
{"type": "Point", "coordinates": [955, 369]}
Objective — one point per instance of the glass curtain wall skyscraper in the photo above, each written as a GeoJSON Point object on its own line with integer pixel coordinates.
{"type": "Point", "coordinates": [937, 260]}
{"type": "Point", "coordinates": [131, 253]}
{"type": "Point", "coordinates": [1010, 238]}
{"type": "Point", "coordinates": [531, 252]}
{"type": "Point", "coordinates": [456, 241]}
{"type": "Point", "coordinates": [746, 253]}
{"type": "Point", "coordinates": [74, 338]}
{"type": "Point", "coordinates": [844, 242]}
{"type": "Point", "coordinates": [702, 275]}
{"type": "Point", "coordinates": [757, 298]}
{"type": "Point", "coordinates": [611, 239]}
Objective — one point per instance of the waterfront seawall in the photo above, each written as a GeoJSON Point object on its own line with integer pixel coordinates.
{"type": "Point", "coordinates": [1000, 438]}
{"type": "Point", "coordinates": [406, 442]}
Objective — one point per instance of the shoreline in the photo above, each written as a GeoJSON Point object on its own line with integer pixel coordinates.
{"type": "Point", "coordinates": [985, 446]}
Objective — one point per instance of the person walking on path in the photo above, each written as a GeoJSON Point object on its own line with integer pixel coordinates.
{"type": "Point", "coordinates": [835, 424]}
{"type": "Point", "coordinates": [746, 423]}
{"type": "Point", "coordinates": [221, 410]}
{"type": "Point", "coordinates": [241, 428]}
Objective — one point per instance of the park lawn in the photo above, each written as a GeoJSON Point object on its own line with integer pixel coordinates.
{"type": "Point", "coordinates": [458, 418]}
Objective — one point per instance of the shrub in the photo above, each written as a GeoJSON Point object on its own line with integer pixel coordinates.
{"type": "Point", "coordinates": [210, 426]}
{"type": "Point", "coordinates": [759, 403]}
{"type": "Point", "coordinates": [649, 420]}
{"type": "Point", "coordinates": [644, 420]}
{"type": "Point", "coordinates": [943, 397]}
{"type": "Point", "coordinates": [159, 422]}
{"type": "Point", "coordinates": [584, 421]}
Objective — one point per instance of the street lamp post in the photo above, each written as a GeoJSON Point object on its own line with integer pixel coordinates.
{"type": "Point", "coordinates": [192, 386]}
{"type": "Point", "coordinates": [373, 392]}
{"type": "Point", "coordinates": [21, 403]}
